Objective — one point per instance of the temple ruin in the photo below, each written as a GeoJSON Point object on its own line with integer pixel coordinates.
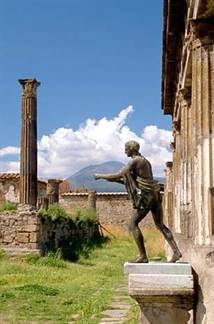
{"type": "Point", "coordinates": [188, 96]}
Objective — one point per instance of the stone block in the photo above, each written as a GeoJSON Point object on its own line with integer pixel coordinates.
{"type": "Point", "coordinates": [11, 222]}
{"type": "Point", "coordinates": [165, 284]}
{"type": "Point", "coordinates": [33, 220]}
{"type": "Point", "coordinates": [33, 237]}
{"type": "Point", "coordinates": [30, 228]}
{"type": "Point", "coordinates": [33, 246]}
{"type": "Point", "coordinates": [22, 237]}
{"type": "Point", "coordinates": [158, 268]}
{"type": "Point", "coordinates": [7, 239]}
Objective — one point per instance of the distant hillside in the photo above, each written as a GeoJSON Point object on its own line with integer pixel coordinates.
{"type": "Point", "coordinates": [85, 177]}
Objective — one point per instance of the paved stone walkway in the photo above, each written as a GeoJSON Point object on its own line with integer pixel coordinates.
{"type": "Point", "coordinates": [118, 310]}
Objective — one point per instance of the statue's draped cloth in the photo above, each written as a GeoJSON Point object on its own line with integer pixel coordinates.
{"type": "Point", "coordinates": [141, 191]}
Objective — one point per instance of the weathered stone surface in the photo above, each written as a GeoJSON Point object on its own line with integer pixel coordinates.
{"type": "Point", "coordinates": [22, 237]}
{"type": "Point", "coordinates": [151, 284]}
{"type": "Point", "coordinates": [34, 237]}
{"type": "Point", "coordinates": [7, 239]}
{"type": "Point", "coordinates": [158, 268]}
{"type": "Point", "coordinates": [29, 232]}
{"type": "Point", "coordinates": [30, 228]}
{"type": "Point", "coordinates": [113, 208]}
{"type": "Point", "coordinates": [165, 292]}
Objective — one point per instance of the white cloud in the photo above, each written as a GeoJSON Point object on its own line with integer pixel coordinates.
{"type": "Point", "coordinates": [9, 150]}
{"type": "Point", "coordinates": [66, 150]}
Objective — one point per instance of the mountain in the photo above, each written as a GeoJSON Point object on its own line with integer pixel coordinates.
{"type": "Point", "coordinates": [85, 177]}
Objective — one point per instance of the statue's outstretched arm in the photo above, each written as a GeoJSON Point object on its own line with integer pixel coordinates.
{"type": "Point", "coordinates": [113, 177]}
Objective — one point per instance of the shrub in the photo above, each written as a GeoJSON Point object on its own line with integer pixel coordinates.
{"type": "Point", "coordinates": [8, 206]}
{"type": "Point", "coordinates": [85, 214]}
{"type": "Point", "coordinates": [54, 211]}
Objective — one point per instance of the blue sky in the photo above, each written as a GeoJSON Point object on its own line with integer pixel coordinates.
{"type": "Point", "coordinates": [94, 58]}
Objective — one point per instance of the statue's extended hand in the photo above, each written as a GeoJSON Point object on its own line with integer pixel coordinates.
{"type": "Point", "coordinates": [97, 176]}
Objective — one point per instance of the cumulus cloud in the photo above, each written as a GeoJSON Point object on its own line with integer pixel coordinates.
{"type": "Point", "coordinates": [66, 151]}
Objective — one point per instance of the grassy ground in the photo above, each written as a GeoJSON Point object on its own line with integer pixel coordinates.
{"type": "Point", "coordinates": [50, 290]}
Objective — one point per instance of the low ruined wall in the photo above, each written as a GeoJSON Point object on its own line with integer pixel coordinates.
{"type": "Point", "coordinates": [26, 230]}
{"type": "Point", "coordinates": [113, 208]}
{"type": "Point", "coordinates": [19, 229]}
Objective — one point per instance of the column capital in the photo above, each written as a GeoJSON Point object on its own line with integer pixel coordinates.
{"type": "Point", "coordinates": [29, 87]}
{"type": "Point", "coordinates": [185, 95]}
{"type": "Point", "coordinates": [202, 28]}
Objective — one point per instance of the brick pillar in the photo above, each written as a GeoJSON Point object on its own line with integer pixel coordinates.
{"type": "Point", "coordinates": [53, 191]}
{"type": "Point", "coordinates": [28, 163]}
{"type": "Point", "coordinates": [92, 200]}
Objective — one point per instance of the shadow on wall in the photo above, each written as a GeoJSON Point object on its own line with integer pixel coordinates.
{"type": "Point", "coordinates": [69, 239]}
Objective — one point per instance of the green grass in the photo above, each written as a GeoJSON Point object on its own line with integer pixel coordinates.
{"type": "Point", "coordinates": [51, 290]}
{"type": "Point", "coordinates": [8, 206]}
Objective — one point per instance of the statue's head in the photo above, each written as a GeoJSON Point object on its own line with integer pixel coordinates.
{"type": "Point", "coordinates": [132, 147]}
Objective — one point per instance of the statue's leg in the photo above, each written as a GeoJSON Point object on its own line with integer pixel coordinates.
{"type": "Point", "coordinates": [157, 213]}
{"type": "Point", "coordinates": [137, 234]}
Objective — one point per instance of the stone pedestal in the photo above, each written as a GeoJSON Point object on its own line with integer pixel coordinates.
{"type": "Point", "coordinates": [164, 291]}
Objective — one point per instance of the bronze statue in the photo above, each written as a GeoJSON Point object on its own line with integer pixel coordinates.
{"type": "Point", "coordinates": [144, 192]}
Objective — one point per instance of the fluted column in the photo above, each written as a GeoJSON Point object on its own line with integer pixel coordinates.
{"type": "Point", "coordinates": [28, 163]}
{"type": "Point", "coordinates": [203, 107]}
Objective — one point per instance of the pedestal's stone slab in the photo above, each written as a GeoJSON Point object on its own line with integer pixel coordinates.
{"type": "Point", "coordinates": [164, 291]}
{"type": "Point", "coordinates": [158, 268]}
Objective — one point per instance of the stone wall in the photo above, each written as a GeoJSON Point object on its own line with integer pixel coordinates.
{"type": "Point", "coordinates": [112, 208]}
{"type": "Point", "coordinates": [19, 229]}
{"type": "Point", "coordinates": [23, 230]}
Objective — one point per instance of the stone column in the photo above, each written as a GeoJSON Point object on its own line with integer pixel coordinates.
{"type": "Point", "coordinates": [28, 163]}
{"type": "Point", "coordinates": [168, 196]}
{"type": "Point", "coordinates": [53, 191]}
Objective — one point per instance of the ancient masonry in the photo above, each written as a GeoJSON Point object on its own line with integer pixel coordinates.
{"type": "Point", "coordinates": [113, 208]}
{"type": "Point", "coordinates": [188, 96]}
{"type": "Point", "coordinates": [28, 163]}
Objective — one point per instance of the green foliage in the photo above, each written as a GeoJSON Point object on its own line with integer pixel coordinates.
{"type": "Point", "coordinates": [85, 214]}
{"type": "Point", "coordinates": [78, 241]}
{"type": "Point", "coordinates": [8, 206]}
{"type": "Point", "coordinates": [54, 211]}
